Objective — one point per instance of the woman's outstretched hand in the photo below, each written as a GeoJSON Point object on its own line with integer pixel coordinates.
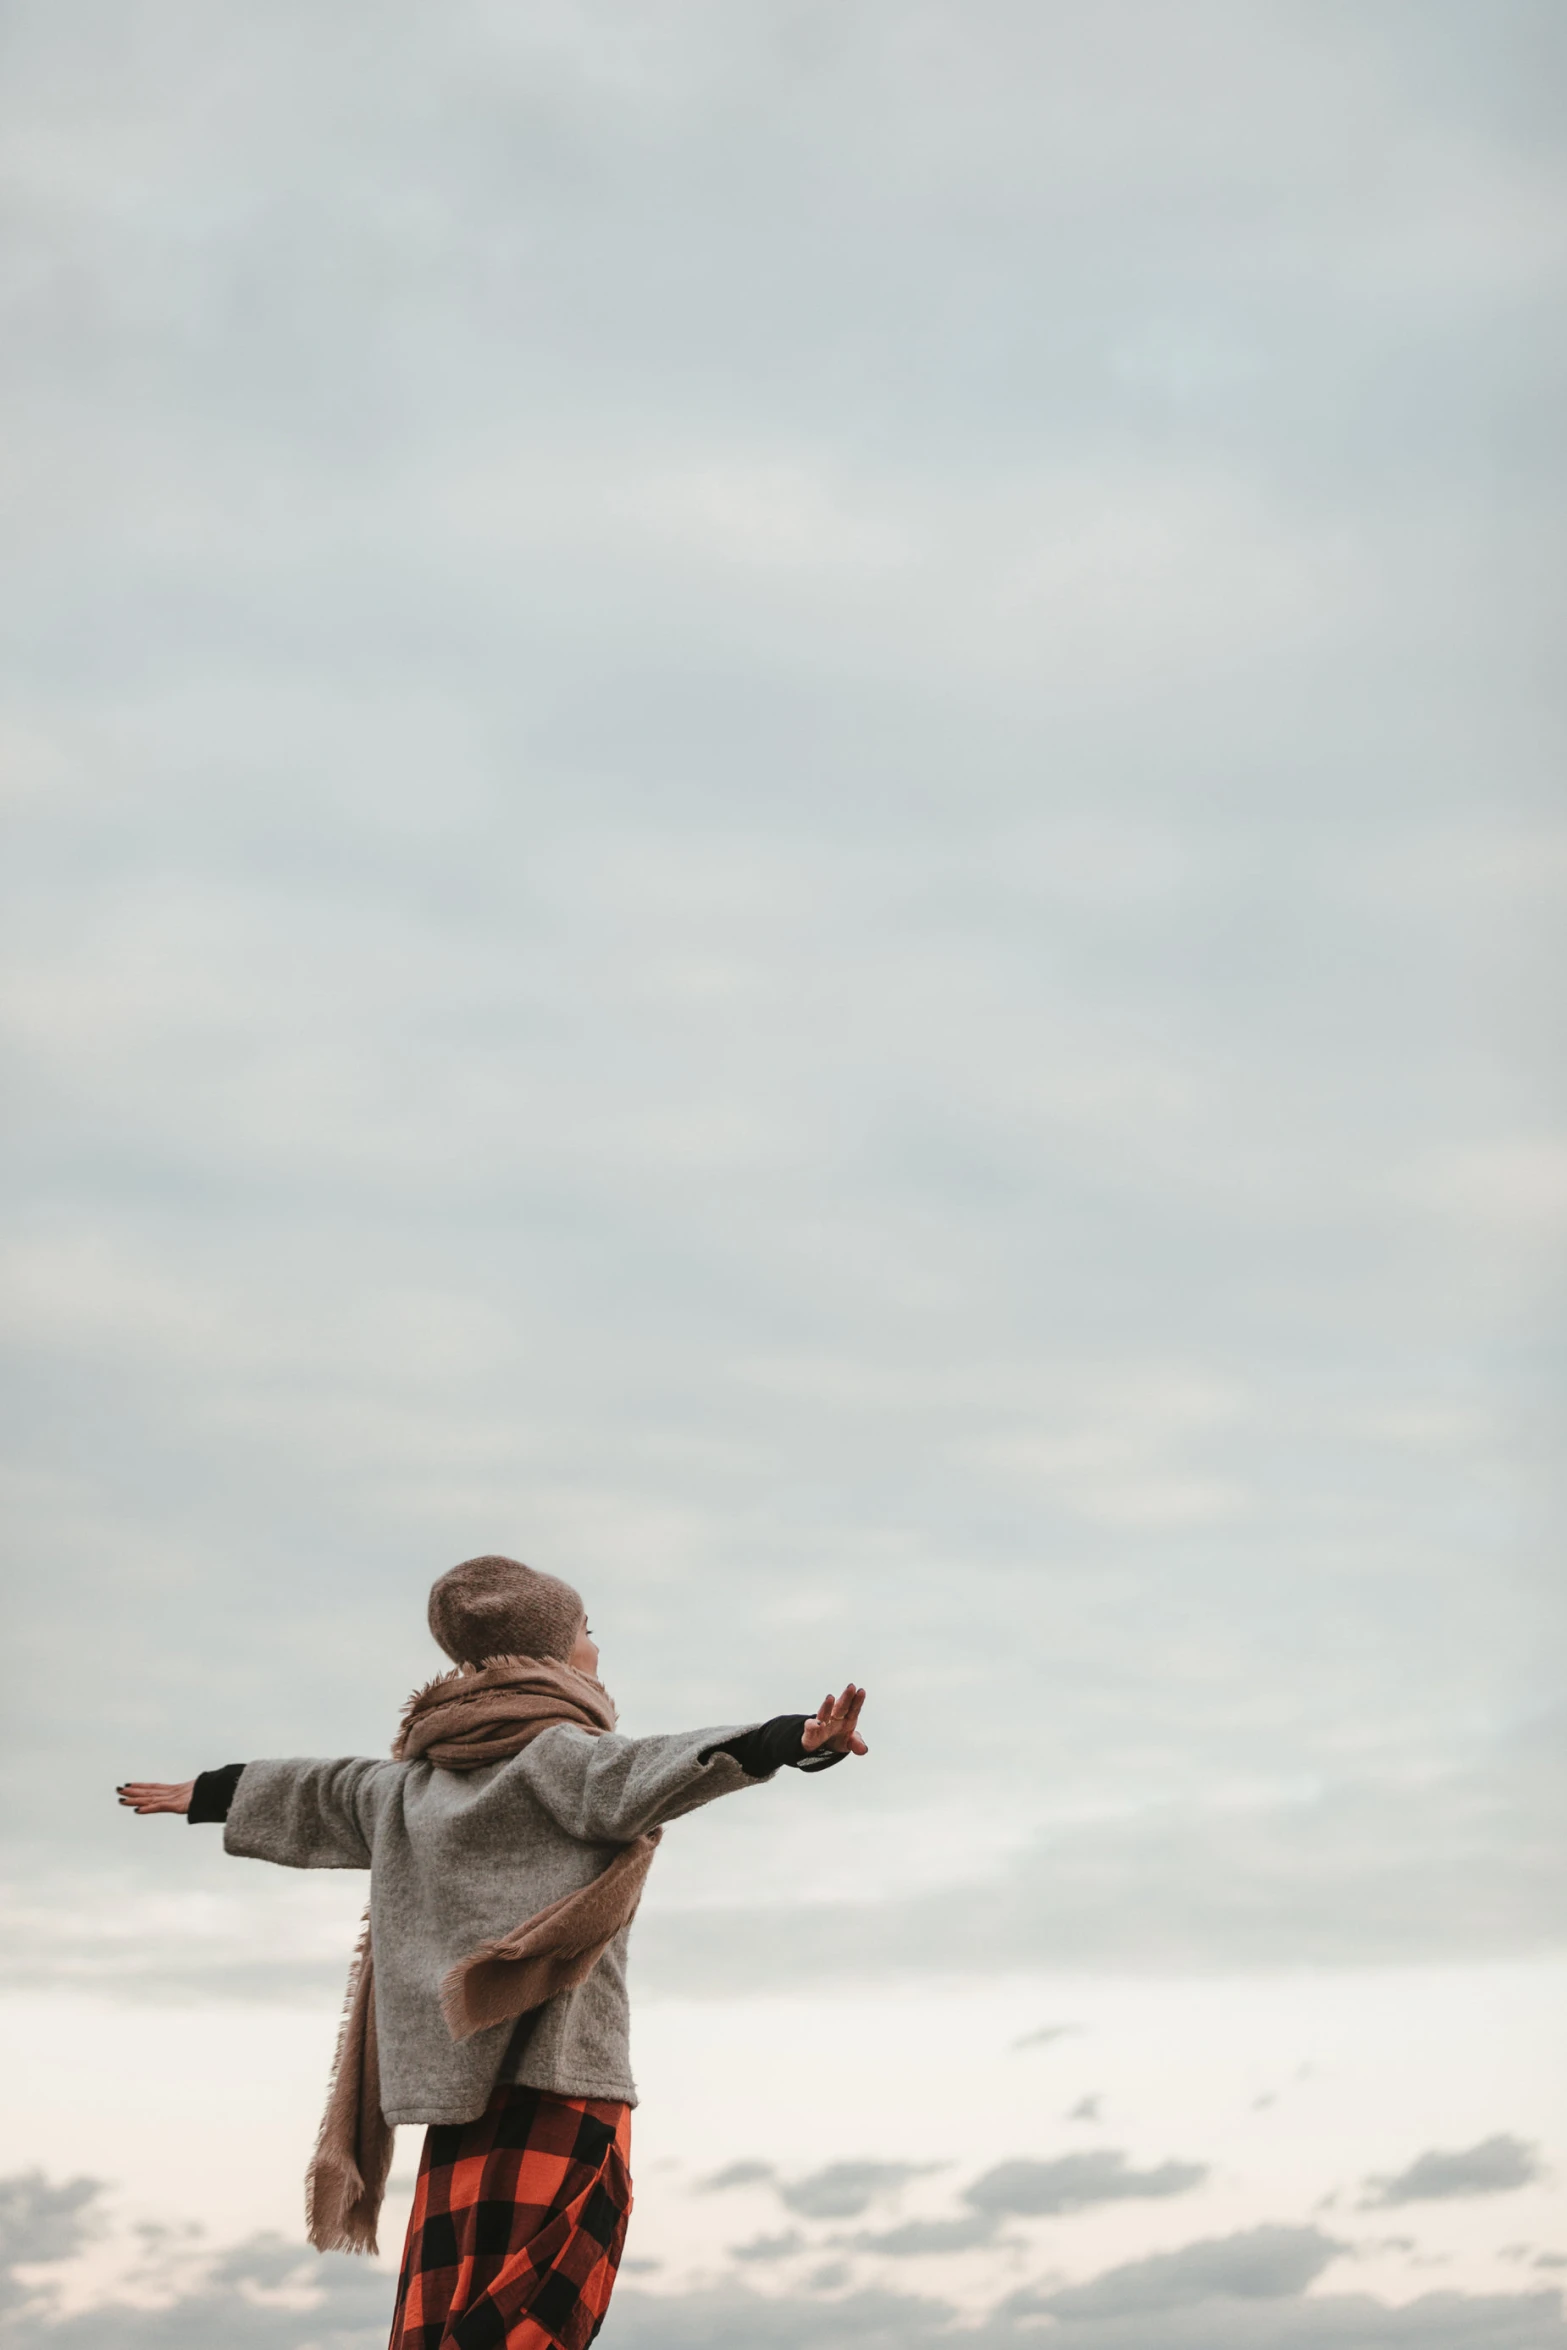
{"type": "Point", "coordinates": [836, 1729]}
{"type": "Point", "coordinates": [145, 1795]}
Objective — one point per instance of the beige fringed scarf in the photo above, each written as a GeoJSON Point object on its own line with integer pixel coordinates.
{"type": "Point", "coordinates": [467, 1718]}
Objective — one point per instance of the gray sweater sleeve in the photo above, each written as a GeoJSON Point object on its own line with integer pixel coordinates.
{"type": "Point", "coordinates": [610, 1790]}
{"type": "Point", "coordinates": [306, 1815]}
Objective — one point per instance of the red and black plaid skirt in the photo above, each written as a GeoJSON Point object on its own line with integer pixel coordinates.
{"type": "Point", "coordinates": [517, 2226]}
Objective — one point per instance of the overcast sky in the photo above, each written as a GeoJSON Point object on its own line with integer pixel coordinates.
{"type": "Point", "coordinates": [784, 820]}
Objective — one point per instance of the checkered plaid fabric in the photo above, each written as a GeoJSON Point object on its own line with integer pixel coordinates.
{"type": "Point", "coordinates": [517, 2226]}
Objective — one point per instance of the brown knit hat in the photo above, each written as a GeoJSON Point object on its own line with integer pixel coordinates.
{"type": "Point", "coordinates": [498, 1607]}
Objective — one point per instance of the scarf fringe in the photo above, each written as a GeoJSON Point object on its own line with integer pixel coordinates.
{"type": "Point", "coordinates": [342, 2206]}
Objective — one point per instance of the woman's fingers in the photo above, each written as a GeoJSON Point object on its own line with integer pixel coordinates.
{"type": "Point", "coordinates": [152, 1795]}
{"type": "Point", "coordinates": [837, 1723]}
{"type": "Point", "coordinates": [845, 1717]}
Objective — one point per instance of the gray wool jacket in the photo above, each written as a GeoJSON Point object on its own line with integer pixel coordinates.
{"type": "Point", "coordinates": [457, 1858]}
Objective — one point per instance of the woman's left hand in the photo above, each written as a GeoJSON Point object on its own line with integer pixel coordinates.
{"type": "Point", "coordinates": [836, 1727]}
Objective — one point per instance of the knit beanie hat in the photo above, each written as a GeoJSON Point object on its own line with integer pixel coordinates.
{"type": "Point", "coordinates": [498, 1607]}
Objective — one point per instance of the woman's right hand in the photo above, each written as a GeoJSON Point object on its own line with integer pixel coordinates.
{"type": "Point", "coordinates": [149, 1795]}
{"type": "Point", "coordinates": [836, 1729]}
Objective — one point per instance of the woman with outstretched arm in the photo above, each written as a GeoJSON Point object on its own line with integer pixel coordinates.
{"type": "Point", "coordinates": [508, 1840]}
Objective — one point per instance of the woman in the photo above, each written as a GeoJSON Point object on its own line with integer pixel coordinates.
{"type": "Point", "coordinates": [507, 1841]}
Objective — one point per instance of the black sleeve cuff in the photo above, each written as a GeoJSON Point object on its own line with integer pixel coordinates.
{"type": "Point", "coordinates": [212, 1795]}
{"type": "Point", "coordinates": [777, 1745]}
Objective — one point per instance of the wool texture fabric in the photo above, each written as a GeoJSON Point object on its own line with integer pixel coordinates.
{"type": "Point", "coordinates": [494, 1606]}
{"type": "Point", "coordinates": [461, 1722]}
{"type": "Point", "coordinates": [517, 2226]}
{"type": "Point", "coordinates": [455, 1858]}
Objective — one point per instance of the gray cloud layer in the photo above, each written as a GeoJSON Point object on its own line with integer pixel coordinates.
{"type": "Point", "coordinates": [1074, 2182]}
{"type": "Point", "coordinates": [1240, 2293]}
{"type": "Point", "coordinates": [919, 2239]}
{"type": "Point", "coordinates": [726, 2320]}
{"type": "Point", "coordinates": [785, 826]}
{"type": "Point", "coordinates": [1021, 2188]}
{"type": "Point", "coordinates": [1494, 2167]}
{"type": "Point", "coordinates": [1260, 2264]}
{"type": "Point", "coordinates": [1360, 1872]}
{"type": "Point", "coordinates": [39, 2222]}
{"type": "Point", "coordinates": [844, 2189]}
{"type": "Point", "coordinates": [840, 2190]}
